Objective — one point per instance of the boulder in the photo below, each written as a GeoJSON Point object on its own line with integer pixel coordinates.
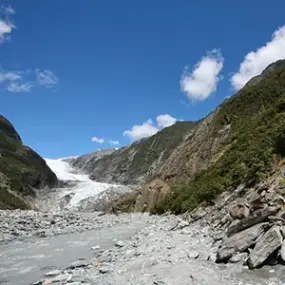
{"type": "Point", "coordinates": [239, 210]}
{"type": "Point", "coordinates": [239, 258]}
{"type": "Point", "coordinates": [265, 246]}
{"type": "Point", "coordinates": [240, 242]}
{"type": "Point", "coordinates": [282, 251]}
{"type": "Point", "coordinates": [257, 217]}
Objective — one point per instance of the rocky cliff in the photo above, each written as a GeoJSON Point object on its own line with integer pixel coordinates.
{"type": "Point", "coordinates": [22, 170]}
{"type": "Point", "coordinates": [136, 163]}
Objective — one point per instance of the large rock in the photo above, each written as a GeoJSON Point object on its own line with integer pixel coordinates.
{"type": "Point", "coordinates": [238, 210]}
{"type": "Point", "coordinates": [240, 242]}
{"type": "Point", "coordinates": [265, 246]}
{"type": "Point", "coordinates": [282, 251]}
{"type": "Point", "coordinates": [258, 216]}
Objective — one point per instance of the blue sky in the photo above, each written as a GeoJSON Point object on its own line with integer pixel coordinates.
{"type": "Point", "coordinates": [116, 71]}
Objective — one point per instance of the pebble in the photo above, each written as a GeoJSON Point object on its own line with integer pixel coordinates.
{"type": "Point", "coordinates": [104, 269]}
{"type": "Point", "coordinates": [95, 247]}
{"type": "Point", "coordinates": [18, 224]}
{"type": "Point", "coordinates": [193, 254]}
{"type": "Point", "coordinates": [120, 243]}
{"type": "Point", "coordinates": [53, 273]}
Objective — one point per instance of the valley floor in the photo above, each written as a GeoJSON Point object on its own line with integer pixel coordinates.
{"type": "Point", "coordinates": [135, 249]}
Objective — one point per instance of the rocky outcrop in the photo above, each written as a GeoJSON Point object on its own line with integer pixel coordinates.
{"type": "Point", "coordinates": [22, 170]}
{"type": "Point", "coordinates": [240, 242]}
{"type": "Point", "coordinates": [85, 162]}
{"type": "Point", "coordinates": [257, 217]}
{"type": "Point", "coordinates": [265, 246]}
{"type": "Point", "coordinates": [137, 163]}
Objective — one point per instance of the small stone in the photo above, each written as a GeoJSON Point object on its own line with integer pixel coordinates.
{"type": "Point", "coordinates": [105, 258]}
{"type": "Point", "coordinates": [62, 278]}
{"type": "Point", "coordinates": [104, 269]}
{"type": "Point", "coordinates": [193, 254]}
{"type": "Point", "coordinates": [53, 273]}
{"type": "Point", "coordinates": [240, 257]}
{"type": "Point", "coordinates": [119, 244]}
{"type": "Point", "coordinates": [77, 264]}
{"type": "Point", "coordinates": [95, 247]}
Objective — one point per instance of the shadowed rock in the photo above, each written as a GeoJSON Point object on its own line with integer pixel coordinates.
{"type": "Point", "coordinates": [265, 246]}
{"type": "Point", "coordinates": [240, 242]}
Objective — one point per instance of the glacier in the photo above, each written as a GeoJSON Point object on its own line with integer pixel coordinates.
{"type": "Point", "coordinates": [84, 187]}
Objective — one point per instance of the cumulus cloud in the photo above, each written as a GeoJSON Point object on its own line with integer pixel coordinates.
{"type": "Point", "coordinates": [6, 26]}
{"type": "Point", "coordinates": [98, 140]}
{"type": "Point", "coordinates": [202, 81]}
{"type": "Point", "coordinates": [165, 121]}
{"type": "Point", "coordinates": [256, 61]}
{"type": "Point", "coordinates": [5, 29]}
{"type": "Point", "coordinates": [113, 142]}
{"type": "Point", "coordinates": [46, 78]}
{"type": "Point", "coordinates": [144, 130]}
{"type": "Point", "coordinates": [26, 80]}
{"type": "Point", "coordinates": [149, 128]}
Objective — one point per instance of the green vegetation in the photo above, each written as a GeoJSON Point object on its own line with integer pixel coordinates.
{"type": "Point", "coordinates": [136, 160]}
{"type": "Point", "coordinates": [8, 200]}
{"type": "Point", "coordinates": [23, 169]}
{"type": "Point", "coordinates": [164, 142]}
{"type": "Point", "coordinates": [257, 134]}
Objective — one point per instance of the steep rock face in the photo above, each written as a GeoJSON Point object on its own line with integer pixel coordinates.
{"type": "Point", "coordinates": [84, 162]}
{"type": "Point", "coordinates": [21, 169]}
{"type": "Point", "coordinates": [137, 163]}
{"type": "Point", "coordinates": [201, 148]}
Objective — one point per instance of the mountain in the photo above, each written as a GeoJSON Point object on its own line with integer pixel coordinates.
{"type": "Point", "coordinates": [193, 162]}
{"type": "Point", "coordinates": [136, 163]}
{"type": "Point", "coordinates": [84, 162]}
{"type": "Point", "coordinates": [22, 170]}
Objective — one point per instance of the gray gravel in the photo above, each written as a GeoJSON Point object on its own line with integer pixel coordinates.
{"type": "Point", "coordinates": [17, 224]}
{"type": "Point", "coordinates": [131, 250]}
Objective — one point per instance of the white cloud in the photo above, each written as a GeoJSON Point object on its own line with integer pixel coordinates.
{"type": "Point", "coordinates": [165, 121]}
{"type": "Point", "coordinates": [144, 130]}
{"type": "Point", "coordinates": [17, 87]}
{"type": "Point", "coordinates": [148, 128]}
{"type": "Point", "coordinates": [113, 142]}
{"type": "Point", "coordinates": [46, 78]}
{"type": "Point", "coordinates": [203, 80]}
{"type": "Point", "coordinates": [5, 29]}
{"type": "Point", "coordinates": [256, 61]}
{"type": "Point", "coordinates": [9, 76]}
{"type": "Point", "coordinates": [6, 26]}
{"type": "Point", "coordinates": [98, 140]}
{"type": "Point", "coordinates": [26, 80]}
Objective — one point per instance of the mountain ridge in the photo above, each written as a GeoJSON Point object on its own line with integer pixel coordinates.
{"type": "Point", "coordinates": [217, 153]}
{"type": "Point", "coordinates": [22, 170]}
